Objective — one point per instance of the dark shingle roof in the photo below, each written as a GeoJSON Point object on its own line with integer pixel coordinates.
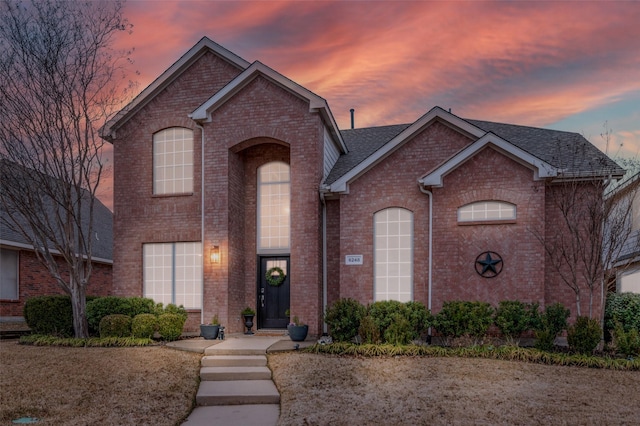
{"type": "Point", "coordinates": [102, 227]}
{"type": "Point", "coordinates": [568, 151]}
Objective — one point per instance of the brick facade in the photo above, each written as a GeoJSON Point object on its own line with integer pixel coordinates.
{"type": "Point", "coordinates": [264, 121]}
{"type": "Point", "coordinates": [35, 280]}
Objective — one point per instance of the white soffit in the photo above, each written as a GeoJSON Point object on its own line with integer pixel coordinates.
{"type": "Point", "coordinates": [540, 168]}
{"type": "Point", "coordinates": [436, 113]}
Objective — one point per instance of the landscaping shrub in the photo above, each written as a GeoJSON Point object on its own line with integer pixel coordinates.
{"type": "Point", "coordinates": [584, 335]}
{"type": "Point", "coordinates": [419, 317]}
{"type": "Point", "coordinates": [172, 309]}
{"type": "Point", "coordinates": [460, 318]}
{"type": "Point", "coordinates": [49, 315]}
{"type": "Point", "coordinates": [116, 325]}
{"type": "Point", "coordinates": [622, 308]}
{"type": "Point", "coordinates": [549, 325]}
{"type": "Point", "coordinates": [513, 318]}
{"type": "Point", "coordinates": [144, 325]}
{"type": "Point", "coordinates": [399, 331]}
{"type": "Point", "coordinates": [627, 342]}
{"type": "Point", "coordinates": [383, 312]}
{"type": "Point", "coordinates": [170, 326]}
{"type": "Point", "coordinates": [369, 331]}
{"type": "Point", "coordinates": [343, 319]}
{"type": "Point", "coordinates": [110, 305]}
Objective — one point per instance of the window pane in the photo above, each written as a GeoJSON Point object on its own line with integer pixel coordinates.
{"type": "Point", "coordinates": [393, 230]}
{"type": "Point", "coordinates": [487, 210]}
{"type": "Point", "coordinates": [274, 201]}
{"type": "Point", "coordinates": [8, 274]}
{"type": "Point", "coordinates": [173, 161]}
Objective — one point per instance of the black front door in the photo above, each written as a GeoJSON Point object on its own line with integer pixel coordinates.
{"type": "Point", "coordinates": [273, 294]}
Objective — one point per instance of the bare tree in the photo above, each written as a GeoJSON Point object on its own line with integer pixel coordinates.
{"type": "Point", "coordinates": [60, 79]}
{"type": "Point", "coordinates": [594, 228]}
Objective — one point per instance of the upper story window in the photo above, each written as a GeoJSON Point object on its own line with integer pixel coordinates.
{"type": "Point", "coordinates": [274, 199]}
{"type": "Point", "coordinates": [487, 211]}
{"type": "Point", "coordinates": [173, 161]}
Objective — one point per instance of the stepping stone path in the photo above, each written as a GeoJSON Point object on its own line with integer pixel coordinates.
{"type": "Point", "coordinates": [236, 386]}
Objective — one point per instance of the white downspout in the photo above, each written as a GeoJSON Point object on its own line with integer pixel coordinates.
{"type": "Point", "coordinates": [324, 262]}
{"type": "Point", "coordinates": [430, 194]}
{"type": "Point", "coordinates": [202, 221]}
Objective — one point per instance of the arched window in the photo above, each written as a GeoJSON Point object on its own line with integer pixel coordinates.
{"type": "Point", "coordinates": [173, 161]}
{"type": "Point", "coordinates": [274, 218]}
{"type": "Point", "coordinates": [486, 211]}
{"type": "Point", "coordinates": [393, 241]}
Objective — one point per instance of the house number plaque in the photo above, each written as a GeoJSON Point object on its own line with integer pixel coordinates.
{"type": "Point", "coordinates": [353, 259]}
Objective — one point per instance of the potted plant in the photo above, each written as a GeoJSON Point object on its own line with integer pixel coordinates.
{"type": "Point", "coordinates": [210, 331]}
{"type": "Point", "coordinates": [297, 330]}
{"type": "Point", "coordinates": [248, 314]}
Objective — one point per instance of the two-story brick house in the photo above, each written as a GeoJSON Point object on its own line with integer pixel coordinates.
{"type": "Point", "coordinates": [225, 171]}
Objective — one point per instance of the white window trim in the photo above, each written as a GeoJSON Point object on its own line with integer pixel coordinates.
{"type": "Point", "coordinates": [377, 249]}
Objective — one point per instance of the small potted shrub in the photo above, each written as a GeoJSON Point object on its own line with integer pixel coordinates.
{"type": "Point", "coordinates": [297, 330]}
{"type": "Point", "coordinates": [248, 314]}
{"type": "Point", "coordinates": [210, 331]}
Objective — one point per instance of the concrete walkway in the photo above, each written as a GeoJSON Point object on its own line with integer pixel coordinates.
{"type": "Point", "coordinates": [236, 386]}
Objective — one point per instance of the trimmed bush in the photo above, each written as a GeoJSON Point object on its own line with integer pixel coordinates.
{"type": "Point", "coordinates": [172, 309]}
{"type": "Point", "coordinates": [622, 308]}
{"type": "Point", "coordinates": [49, 315]}
{"type": "Point", "coordinates": [513, 318]}
{"type": "Point", "coordinates": [549, 325]}
{"type": "Point", "coordinates": [369, 331]}
{"type": "Point", "coordinates": [627, 342]}
{"type": "Point", "coordinates": [460, 318]}
{"type": "Point", "coordinates": [399, 331]}
{"type": "Point", "coordinates": [343, 319]}
{"type": "Point", "coordinates": [116, 325]}
{"type": "Point", "coordinates": [170, 326]}
{"type": "Point", "coordinates": [419, 317]}
{"type": "Point", "coordinates": [144, 325]}
{"type": "Point", "coordinates": [110, 305]}
{"type": "Point", "coordinates": [584, 335]}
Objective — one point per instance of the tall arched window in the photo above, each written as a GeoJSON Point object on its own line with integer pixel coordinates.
{"type": "Point", "coordinates": [173, 161]}
{"type": "Point", "coordinates": [274, 217]}
{"type": "Point", "coordinates": [393, 240]}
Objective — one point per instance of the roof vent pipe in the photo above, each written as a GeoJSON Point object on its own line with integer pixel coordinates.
{"type": "Point", "coordinates": [352, 120]}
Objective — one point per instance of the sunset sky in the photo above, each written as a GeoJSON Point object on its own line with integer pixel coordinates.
{"type": "Point", "coordinates": [562, 65]}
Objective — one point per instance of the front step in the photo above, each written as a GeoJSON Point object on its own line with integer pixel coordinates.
{"type": "Point", "coordinates": [237, 392]}
{"type": "Point", "coordinates": [234, 361]}
{"type": "Point", "coordinates": [235, 373]}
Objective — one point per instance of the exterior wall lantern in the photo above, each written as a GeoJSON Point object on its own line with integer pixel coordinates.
{"type": "Point", "coordinates": [215, 254]}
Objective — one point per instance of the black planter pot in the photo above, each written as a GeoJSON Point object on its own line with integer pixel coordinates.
{"type": "Point", "coordinates": [248, 322]}
{"type": "Point", "coordinates": [209, 332]}
{"type": "Point", "coordinates": [298, 333]}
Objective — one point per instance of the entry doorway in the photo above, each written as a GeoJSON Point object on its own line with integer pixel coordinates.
{"type": "Point", "coordinates": [273, 294]}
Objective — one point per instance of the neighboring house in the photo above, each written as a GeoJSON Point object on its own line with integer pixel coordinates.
{"type": "Point", "coordinates": [226, 170]}
{"type": "Point", "coordinates": [22, 276]}
{"type": "Point", "coordinates": [625, 271]}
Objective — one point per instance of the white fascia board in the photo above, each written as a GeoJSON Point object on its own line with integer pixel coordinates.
{"type": "Point", "coordinates": [174, 71]}
{"type": "Point", "coordinates": [29, 247]}
{"type": "Point", "coordinates": [341, 185]}
{"type": "Point", "coordinates": [316, 103]}
{"type": "Point", "coordinates": [540, 168]}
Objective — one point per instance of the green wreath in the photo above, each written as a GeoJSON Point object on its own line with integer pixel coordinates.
{"type": "Point", "coordinates": [275, 280]}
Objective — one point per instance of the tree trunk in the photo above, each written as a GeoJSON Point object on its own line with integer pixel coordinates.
{"type": "Point", "coordinates": [79, 306]}
{"type": "Point", "coordinates": [578, 300]}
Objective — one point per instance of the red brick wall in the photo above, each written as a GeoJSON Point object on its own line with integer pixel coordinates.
{"type": "Point", "coordinates": [35, 280]}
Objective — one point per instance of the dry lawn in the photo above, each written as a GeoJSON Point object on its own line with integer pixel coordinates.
{"type": "Point", "coordinates": [97, 386]}
{"type": "Point", "coordinates": [157, 386]}
{"type": "Point", "coordinates": [329, 390]}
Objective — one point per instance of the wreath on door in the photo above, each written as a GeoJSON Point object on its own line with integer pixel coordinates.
{"type": "Point", "coordinates": [275, 276]}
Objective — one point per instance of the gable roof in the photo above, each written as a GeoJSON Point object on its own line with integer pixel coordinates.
{"type": "Point", "coordinates": [316, 103]}
{"type": "Point", "coordinates": [171, 74]}
{"type": "Point", "coordinates": [550, 153]}
{"type": "Point", "coordinates": [102, 225]}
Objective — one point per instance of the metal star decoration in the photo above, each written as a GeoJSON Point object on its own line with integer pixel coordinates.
{"type": "Point", "coordinates": [489, 264]}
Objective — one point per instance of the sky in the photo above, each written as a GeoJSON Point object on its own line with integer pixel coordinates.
{"type": "Point", "coordinates": [571, 66]}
